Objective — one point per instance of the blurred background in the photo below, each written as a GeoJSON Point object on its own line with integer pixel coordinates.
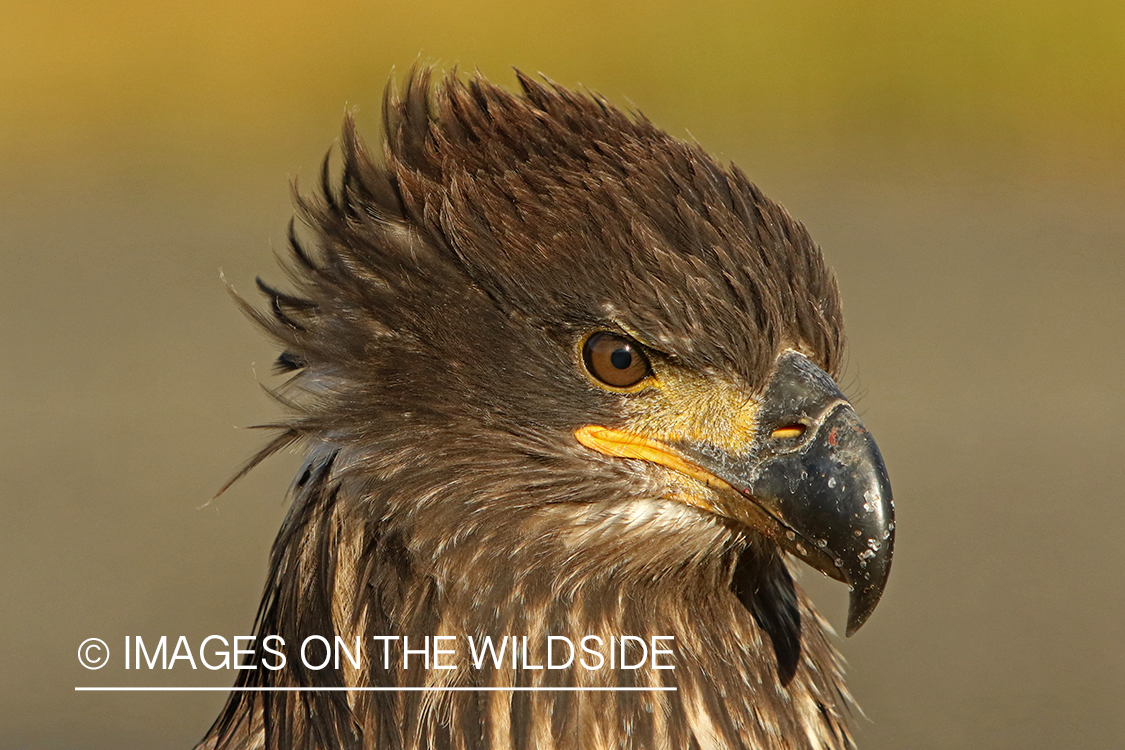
{"type": "Point", "coordinates": [960, 162]}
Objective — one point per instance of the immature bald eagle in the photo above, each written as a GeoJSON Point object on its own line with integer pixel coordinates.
{"type": "Point", "coordinates": [559, 374]}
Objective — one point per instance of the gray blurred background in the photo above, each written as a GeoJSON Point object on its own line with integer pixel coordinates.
{"type": "Point", "coordinates": [960, 163]}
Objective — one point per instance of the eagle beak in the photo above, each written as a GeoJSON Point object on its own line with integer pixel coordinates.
{"type": "Point", "coordinates": [812, 479]}
{"type": "Point", "coordinates": [815, 482]}
{"type": "Point", "coordinates": [832, 500]}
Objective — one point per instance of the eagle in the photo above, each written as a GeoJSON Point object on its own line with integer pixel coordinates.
{"type": "Point", "coordinates": [559, 378]}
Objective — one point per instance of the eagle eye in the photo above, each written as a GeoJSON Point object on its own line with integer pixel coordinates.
{"type": "Point", "coordinates": [615, 360]}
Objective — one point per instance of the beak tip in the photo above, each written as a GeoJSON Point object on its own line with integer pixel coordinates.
{"type": "Point", "coordinates": [857, 616]}
{"type": "Point", "coordinates": [863, 600]}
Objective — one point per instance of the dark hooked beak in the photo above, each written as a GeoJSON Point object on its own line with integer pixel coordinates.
{"type": "Point", "coordinates": [814, 481]}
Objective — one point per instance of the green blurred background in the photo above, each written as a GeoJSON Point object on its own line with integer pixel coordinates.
{"type": "Point", "coordinates": [959, 162]}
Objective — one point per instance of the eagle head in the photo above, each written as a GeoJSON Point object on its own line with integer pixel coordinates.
{"type": "Point", "coordinates": [557, 372]}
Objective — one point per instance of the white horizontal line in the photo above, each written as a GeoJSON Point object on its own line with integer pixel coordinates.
{"type": "Point", "coordinates": [378, 689]}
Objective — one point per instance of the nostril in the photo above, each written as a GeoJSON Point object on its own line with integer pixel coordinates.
{"type": "Point", "coordinates": [788, 431]}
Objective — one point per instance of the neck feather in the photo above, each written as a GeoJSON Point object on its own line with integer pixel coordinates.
{"type": "Point", "coordinates": [749, 661]}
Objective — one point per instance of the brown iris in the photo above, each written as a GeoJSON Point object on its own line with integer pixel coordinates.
{"type": "Point", "coordinates": [615, 360]}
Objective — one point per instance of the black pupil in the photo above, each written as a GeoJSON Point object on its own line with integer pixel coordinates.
{"type": "Point", "coordinates": [621, 358]}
